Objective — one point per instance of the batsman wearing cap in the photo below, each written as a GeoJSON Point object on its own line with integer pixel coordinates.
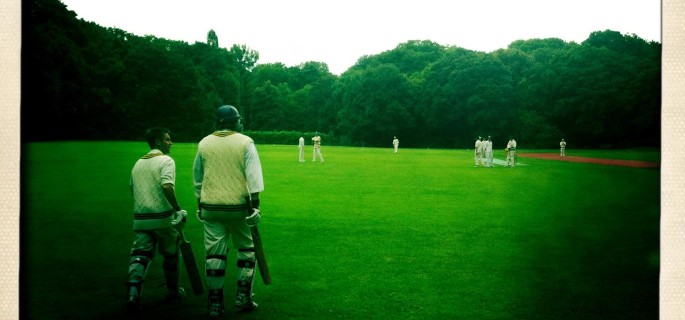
{"type": "Point", "coordinates": [228, 179]}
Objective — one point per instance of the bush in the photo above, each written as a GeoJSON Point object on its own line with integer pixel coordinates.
{"type": "Point", "coordinates": [286, 137]}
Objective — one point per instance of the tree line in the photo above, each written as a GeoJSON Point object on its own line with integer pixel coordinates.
{"type": "Point", "coordinates": [82, 81]}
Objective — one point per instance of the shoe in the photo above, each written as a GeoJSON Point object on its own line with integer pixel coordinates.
{"type": "Point", "coordinates": [133, 302]}
{"type": "Point", "coordinates": [244, 303]}
{"type": "Point", "coordinates": [216, 310]}
{"type": "Point", "coordinates": [178, 295]}
{"type": "Point", "coordinates": [132, 305]}
{"type": "Point", "coordinates": [248, 307]}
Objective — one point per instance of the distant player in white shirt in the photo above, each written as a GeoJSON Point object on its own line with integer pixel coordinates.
{"type": "Point", "coordinates": [488, 152]}
{"type": "Point", "coordinates": [317, 147]}
{"type": "Point", "coordinates": [478, 151]}
{"type": "Point", "coordinates": [395, 143]}
{"type": "Point", "coordinates": [301, 146]}
{"type": "Point", "coordinates": [511, 156]}
{"type": "Point", "coordinates": [562, 148]}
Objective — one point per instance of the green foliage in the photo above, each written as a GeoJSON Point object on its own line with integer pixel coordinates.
{"type": "Point", "coordinates": [375, 103]}
{"type": "Point", "coordinates": [287, 137]}
{"type": "Point", "coordinates": [89, 82]}
{"type": "Point", "coordinates": [368, 234]}
{"type": "Point", "coordinates": [212, 38]}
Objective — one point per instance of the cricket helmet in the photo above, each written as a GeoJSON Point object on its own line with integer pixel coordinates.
{"type": "Point", "coordinates": [226, 114]}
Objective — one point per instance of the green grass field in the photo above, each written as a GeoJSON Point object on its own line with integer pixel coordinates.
{"type": "Point", "coordinates": [366, 235]}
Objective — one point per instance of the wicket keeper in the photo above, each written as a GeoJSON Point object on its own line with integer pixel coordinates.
{"type": "Point", "coordinates": [511, 156]}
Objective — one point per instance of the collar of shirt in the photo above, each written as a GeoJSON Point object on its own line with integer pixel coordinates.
{"type": "Point", "coordinates": [153, 151]}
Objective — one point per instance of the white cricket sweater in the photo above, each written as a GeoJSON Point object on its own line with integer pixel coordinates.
{"type": "Point", "coordinates": [222, 157]}
{"type": "Point", "coordinates": [151, 209]}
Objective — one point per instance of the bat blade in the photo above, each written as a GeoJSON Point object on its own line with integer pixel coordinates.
{"type": "Point", "coordinates": [261, 258]}
{"type": "Point", "coordinates": [191, 266]}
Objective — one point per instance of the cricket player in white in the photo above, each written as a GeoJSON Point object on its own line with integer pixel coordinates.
{"type": "Point", "coordinates": [395, 143]}
{"type": "Point", "coordinates": [317, 147]}
{"type": "Point", "coordinates": [301, 146]}
{"type": "Point", "coordinates": [562, 148]}
{"type": "Point", "coordinates": [488, 152]}
{"type": "Point", "coordinates": [511, 156]}
{"type": "Point", "coordinates": [157, 217]}
{"type": "Point", "coordinates": [227, 176]}
{"type": "Point", "coordinates": [478, 151]}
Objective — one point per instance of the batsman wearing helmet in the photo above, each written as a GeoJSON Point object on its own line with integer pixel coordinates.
{"type": "Point", "coordinates": [511, 156]}
{"type": "Point", "coordinates": [227, 173]}
{"type": "Point", "coordinates": [157, 217]}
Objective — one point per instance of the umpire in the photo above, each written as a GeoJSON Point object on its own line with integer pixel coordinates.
{"type": "Point", "coordinates": [227, 173]}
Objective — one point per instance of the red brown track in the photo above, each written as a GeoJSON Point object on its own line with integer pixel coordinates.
{"type": "Point", "coordinates": [611, 162]}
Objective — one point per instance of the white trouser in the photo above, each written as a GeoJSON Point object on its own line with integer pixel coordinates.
{"type": "Point", "coordinates": [511, 158]}
{"type": "Point", "coordinates": [301, 154]}
{"type": "Point", "coordinates": [479, 158]}
{"type": "Point", "coordinates": [562, 152]}
{"type": "Point", "coordinates": [317, 151]}
{"type": "Point", "coordinates": [488, 158]}
{"type": "Point", "coordinates": [219, 226]}
{"type": "Point", "coordinates": [165, 241]}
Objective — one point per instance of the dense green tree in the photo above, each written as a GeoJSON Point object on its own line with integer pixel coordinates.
{"type": "Point", "coordinates": [52, 71]}
{"type": "Point", "coordinates": [270, 104]}
{"type": "Point", "coordinates": [375, 104]}
{"type": "Point", "coordinates": [314, 79]}
{"type": "Point", "coordinates": [89, 82]}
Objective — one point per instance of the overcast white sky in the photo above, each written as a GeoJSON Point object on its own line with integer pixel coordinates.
{"type": "Point", "coordinates": [338, 32]}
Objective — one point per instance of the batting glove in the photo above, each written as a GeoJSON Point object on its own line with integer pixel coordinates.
{"type": "Point", "coordinates": [179, 220]}
{"type": "Point", "coordinates": [253, 219]}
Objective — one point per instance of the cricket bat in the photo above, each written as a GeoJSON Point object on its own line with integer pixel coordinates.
{"type": "Point", "coordinates": [261, 258]}
{"type": "Point", "coordinates": [191, 266]}
{"type": "Point", "coordinates": [259, 250]}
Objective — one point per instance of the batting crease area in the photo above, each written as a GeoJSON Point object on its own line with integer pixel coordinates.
{"type": "Point", "coordinates": [611, 162]}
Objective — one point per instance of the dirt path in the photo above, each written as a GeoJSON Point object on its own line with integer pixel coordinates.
{"type": "Point", "coordinates": [611, 162]}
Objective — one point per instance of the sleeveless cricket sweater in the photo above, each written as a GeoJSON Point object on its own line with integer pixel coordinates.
{"type": "Point", "coordinates": [151, 209]}
{"type": "Point", "coordinates": [224, 186]}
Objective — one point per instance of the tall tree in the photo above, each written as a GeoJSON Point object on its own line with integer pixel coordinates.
{"type": "Point", "coordinates": [212, 39]}
{"type": "Point", "coordinates": [375, 103]}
